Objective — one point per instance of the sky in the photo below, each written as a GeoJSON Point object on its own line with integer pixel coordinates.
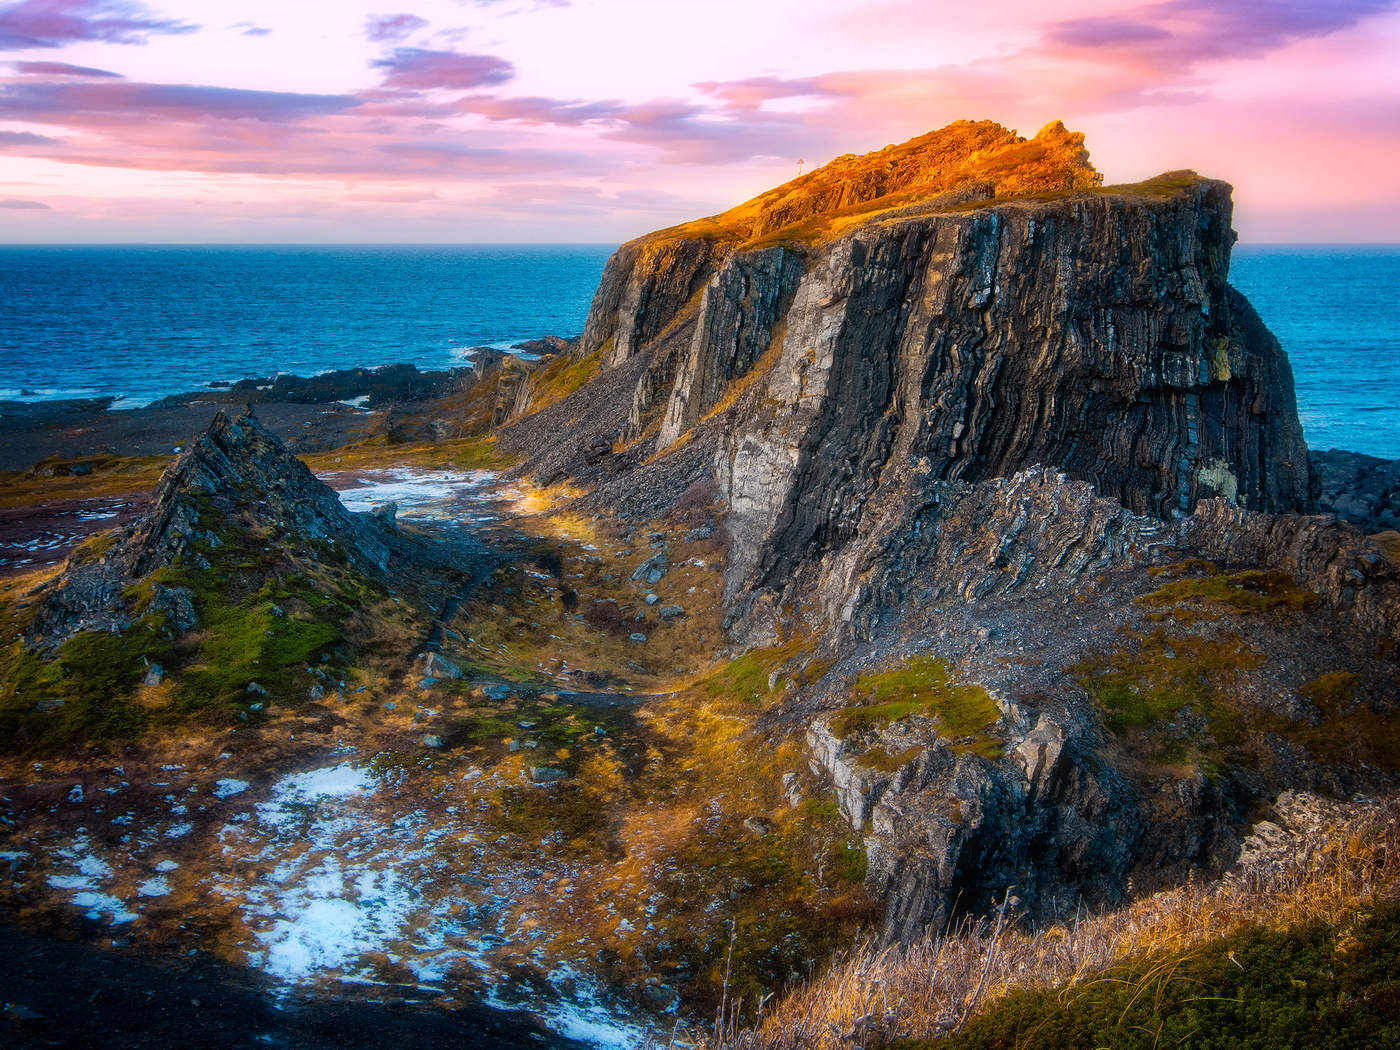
{"type": "Point", "coordinates": [257, 121]}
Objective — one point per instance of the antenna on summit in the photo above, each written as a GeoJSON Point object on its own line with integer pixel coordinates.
{"type": "Point", "coordinates": [800, 161]}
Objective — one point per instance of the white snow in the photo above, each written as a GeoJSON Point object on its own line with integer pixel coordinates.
{"type": "Point", "coordinates": [229, 787]}
{"type": "Point", "coordinates": [154, 887]}
{"type": "Point", "coordinates": [410, 488]}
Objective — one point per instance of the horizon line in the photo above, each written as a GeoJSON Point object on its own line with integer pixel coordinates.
{"type": "Point", "coordinates": [526, 244]}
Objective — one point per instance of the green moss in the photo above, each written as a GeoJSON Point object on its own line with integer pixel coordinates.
{"type": "Point", "coordinates": [85, 694]}
{"type": "Point", "coordinates": [1312, 988]}
{"type": "Point", "coordinates": [788, 907]}
{"type": "Point", "coordinates": [923, 686]}
{"type": "Point", "coordinates": [880, 759]}
{"type": "Point", "coordinates": [467, 453]}
{"type": "Point", "coordinates": [1252, 591]}
{"type": "Point", "coordinates": [562, 376]}
{"type": "Point", "coordinates": [263, 615]}
{"type": "Point", "coordinates": [1350, 732]}
{"type": "Point", "coordinates": [94, 548]}
{"type": "Point", "coordinates": [746, 677]}
{"type": "Point", "coordinates": [1156, 676]}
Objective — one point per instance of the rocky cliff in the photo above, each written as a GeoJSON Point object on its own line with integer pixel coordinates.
{"type": "Point", "coordinates": [957, 401]}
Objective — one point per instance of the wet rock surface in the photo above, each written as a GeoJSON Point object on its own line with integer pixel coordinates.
{"type": "Point", "coordinates": [1362, 490]}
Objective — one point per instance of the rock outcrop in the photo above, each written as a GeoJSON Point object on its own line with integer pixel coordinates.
{"type": "Point", "coordinates": [956, 397]}
{"type": "Point", "coordinates": [848, 328]}
{"type": "Point", "coordinates": [236, 471]}
{"type": "Point", "coordinates": [1363, 490]}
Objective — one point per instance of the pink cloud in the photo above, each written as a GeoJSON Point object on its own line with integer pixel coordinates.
{"type": "Point", "coordinates": [1193, 31]}
{"type": "Point", "coordinates": [382, 29]}
{"type": "Point", "coordinates": [103, 104]}
{"type": "Point", "coordinates": [62, 69]}
{"type": "Point", "coordinates": [24, 139]}
{"type": "Point", "coordinates": [53, 23]}
{"type": "Point", "coordinates": [419, 69]}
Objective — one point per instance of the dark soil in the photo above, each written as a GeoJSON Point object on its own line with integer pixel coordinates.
{"type": "Point", "coordinates": [73, 430]}
{"type": "Point", "coordinates": [56, 993]}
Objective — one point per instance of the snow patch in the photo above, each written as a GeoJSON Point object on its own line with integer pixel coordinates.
{"type": "Point", "coordinates": [229, 787]}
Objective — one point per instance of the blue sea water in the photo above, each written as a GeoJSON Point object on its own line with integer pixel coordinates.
{"type": "Point", "coordinates": [1336, 310]}
{"type": "Point", "coordinates": [141, 322]}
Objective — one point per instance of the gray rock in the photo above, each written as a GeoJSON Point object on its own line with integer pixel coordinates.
{"type": "Point", "coordinates": [651, 599]}
{"type": "Point", "coordinates": [435, 665]}
{"type": "Point", "coordinates": [671, 612]}
{"type": "Point", "coordinates": [177, 603]}
{"type": "Point", "coordinates": [316, 692]}
{"type": "Point", "coordinates": [256, 689]}
{"type": "Point", "coordinates": [496, 691]}
{"type": "Point", "coordinates": [155, 674]}
{"type": "Point", "coordinates": [432, 740]}
{"type": "Point", "coordinates": [547, 775]}
{"type": "Point", "coordinates": [792, 788]}
{"type": "Point", "coordinates": [638, 638]}
{"type": "Point", "coordinates": [653, 569]}
{"type": "Point", "coordinates": [758, 825]}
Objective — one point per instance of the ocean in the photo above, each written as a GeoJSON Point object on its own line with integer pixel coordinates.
{"type": "Point", "coordinates": [137, 323]}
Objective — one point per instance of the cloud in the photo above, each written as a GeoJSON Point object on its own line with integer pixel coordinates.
{"type": "Point", "coordinates": [251, 29]}
{"type": "Point", "coordinates": [1184, 33]}
{"type": "Point", "coordinates": [62, 69]}
{"type": "Point", "coordinates": [535, 109]}
{"type": "Point", "coordinates": [53, 23]}
{"type": "Point", "coordinates": [752, 92]}
{"type": "Point", "coordinates": [67, 102]}
{"type": "Point", "coordinates": [25, 138]}
{"type": "Point", "coordinates": [418, 69]}
{"type": "Point", "coordinates": [25, 205]}
{"type": "Point", "coordinates": [389, 28]}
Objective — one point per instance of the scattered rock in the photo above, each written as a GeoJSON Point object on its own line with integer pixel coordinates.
{"type": "Point", "coordinates": [547, 775]}
{"type": "Point", "coordinates": [653, 569]}
{"type": "Point", "coordinates": [671, 612]}
{"type": "Point", "coordinates": [177, 603]}
{"type": "Point", "coordinates": [437, 666]}
{"type": "Point", "coordinates": [256, 689]}
{"type": "Point", "coordinates": [432, 740]}
{"type": "Point", "coordinates": [155, 674]}
{"type": "Point", "coordinates": [758, 825]}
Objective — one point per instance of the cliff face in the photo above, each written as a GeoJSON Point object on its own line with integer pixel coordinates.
{"type": "Point", "coordinates": [1092, 331]}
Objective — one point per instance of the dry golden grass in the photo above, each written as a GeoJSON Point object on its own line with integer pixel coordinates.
{"type": "Point", "coordinates": [111, 476]}
{"type": "Point", "coordinates": [875, 997]}
{"type": "Point", "coordinates": [962, 154]}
